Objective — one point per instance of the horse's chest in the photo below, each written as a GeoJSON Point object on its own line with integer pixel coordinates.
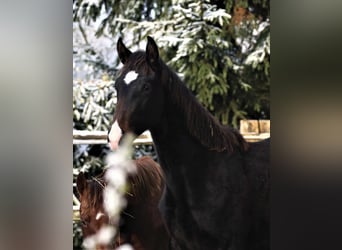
{"type": "Point", "coordinates": [206, 199]}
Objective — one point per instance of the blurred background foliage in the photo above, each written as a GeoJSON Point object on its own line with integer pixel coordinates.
{"type": "Point", "coordinates": [220, 48]}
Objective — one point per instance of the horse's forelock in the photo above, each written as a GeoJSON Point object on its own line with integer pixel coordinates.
{"type": "Point", "coordinates": [147, 182]}
{"type": "Point", "coordinates": [137, 62]}
{"type": "Point", "coordinates": [95, 192]}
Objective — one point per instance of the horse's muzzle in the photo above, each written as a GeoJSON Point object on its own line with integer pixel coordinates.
{"type": "Point", "coordinates": [114, 136]}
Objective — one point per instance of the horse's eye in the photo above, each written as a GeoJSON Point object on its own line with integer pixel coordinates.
{"type": "Point", "coordinates": [84, 223]}
{"type": "Point", "coordinates": [146, 87]}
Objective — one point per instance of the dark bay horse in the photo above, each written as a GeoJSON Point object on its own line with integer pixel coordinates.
{"type": "Point", "coordinates": [217, 184]}
{"type": "Point", "coordinates": [141, 224]}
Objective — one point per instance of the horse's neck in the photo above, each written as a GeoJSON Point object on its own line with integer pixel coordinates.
{"type": "Point", "coordinates": [172, 125]}
{"type": "Point", "coordinates": [173, 141]}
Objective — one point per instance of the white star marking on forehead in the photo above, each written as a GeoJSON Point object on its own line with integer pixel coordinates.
{"type": "Point", "coordinates": [130, 77]}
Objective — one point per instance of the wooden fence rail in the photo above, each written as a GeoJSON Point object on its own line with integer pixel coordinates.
{"type": "Point", "coordinates": [252, 131]}
{"type": "Point", "coordinates": [100, 137]}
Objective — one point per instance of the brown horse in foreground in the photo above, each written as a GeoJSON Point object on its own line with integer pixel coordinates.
{"type": "Point", "coordinates": [141, 224]}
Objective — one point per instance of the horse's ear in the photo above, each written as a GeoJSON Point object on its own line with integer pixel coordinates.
{"type": "Point", "coordinates": [123, 52]}
{"type": "Point", "coordinates": [81, 183]}
{"type": "Point", "coordinates": [152, 53]}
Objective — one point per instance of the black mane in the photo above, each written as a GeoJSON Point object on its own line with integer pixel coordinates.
{"type": "Point", "coordinates": [201, 123]}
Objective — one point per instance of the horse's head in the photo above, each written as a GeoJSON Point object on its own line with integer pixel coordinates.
{"type": "Point", "coordinates": [92, 213]}
{"type": "Point", "coordinates": [140, 97]}
{"type": "Point", "coordinates": [140, 224]}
